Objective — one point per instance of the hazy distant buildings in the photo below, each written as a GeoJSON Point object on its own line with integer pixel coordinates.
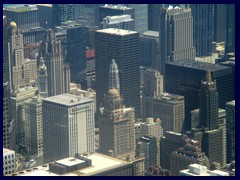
{"type": "Point", "coordinates": [26, 16]}
{"type": "Point", "coordinates": [184, 78]}
{"type": "Point", "coordinates": [230, 120]}
{"type": "Point", "coordinates": [203, 28]}
{"type": "Point", "coordinates": [109, 43]}
{"type": "Point", "coordinates": [119, 22]}
{"type": "Point", "coordinates": [170, 109]}
{"type": "Point", "coordinates": [176, 35]}
{"type": "Point", "coordinates": [62, 13]}
{"type": "Point", "coordinates": [154, 16]}
{"type": "Point", "coordinates": [140, 17]}
{"type": "Point", "coordinates": [152, 88]}
{"type": "Point", "coordinates": [68, 126]}
{"type": "Point", "coordinates": [114, 10]}
{"type": "Point", "coordinates": [230, 29]}
{"type": "Point", "coordinates": [45, 14]}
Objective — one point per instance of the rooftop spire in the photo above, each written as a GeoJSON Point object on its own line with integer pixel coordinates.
{"type": "Point", "coordinates": [208, 76]}
{"type": "Point", "coordinates": [113, 76]}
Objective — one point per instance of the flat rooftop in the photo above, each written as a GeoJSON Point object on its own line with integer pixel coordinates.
{"type": "Point", "coordinates": [118, 6]}
{"type": "Point", "coordinates": [21, 8]}
{"type": "Point", "coordinates": [151, 33]}
{"type": "Point", "coordinates": [71, 161]}
{"type": "Point", "coordinates": [115, 31]}
{"type": "Point", "coordinates": [198, 65]}
{"type": "Point", "coordinates": [68, 100]}
{"type": "Point", "coordinates": [7, 151]}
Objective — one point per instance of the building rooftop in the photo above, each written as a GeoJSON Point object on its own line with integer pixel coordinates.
{"type": "Point", "coordinates": [114, 6]}
{"type": "Point", "coordinates": [198, 65]}
{"type": "Point", "coordinates": [171, 98]}
{"type": "Point", "coordinates": [115, 31]}
{"type": "Point", "coordinates": [231, 103]}
{"type": "Point", "coordinates": [68, 100]}
{"type": "Point", "coordinates": [97, 166]}
{"type": "Point", "coordinates": [7, 151]}
{"type": "Point", "coordinates": [21, 8]}
{"type": "Point", "coordinates": [151, 33]}
{"type": "Point", "coordinates": [47, 5]}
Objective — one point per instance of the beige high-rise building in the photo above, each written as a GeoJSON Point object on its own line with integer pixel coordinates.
{"type": "Point", "coordinates": [34, 126]}
{"type": "Point", "coordinates": [17, 113]}
{"type": "Point", "coordinates": [116, 122]}
{"type": "Point", "coordinates": [170, 109]}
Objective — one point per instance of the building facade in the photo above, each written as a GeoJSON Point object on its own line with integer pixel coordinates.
{"type": "Point", "coordinates": [9, 162]}
{"type": "Point", "coordinates": [68, 126]}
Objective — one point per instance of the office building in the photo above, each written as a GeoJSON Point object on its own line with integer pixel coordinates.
{"type": "Point", "coordinates": [45, 14]}
{"type": "Point", "coordinates": [42, 79]}
{"type": "Point", "coordinates": [86, 165]}
{"type": "Point", "coordinates": [168, 144]}
{"type": "Point", "coordinates": [90, 58]}
{"type": "Point", "coordinates": [170, 109]}
{"type": "Point", "coordinates": [222, 125]}
{"type": "Point", "coordinates": [154, 16]}
{"type": "Point", "coordinates": [150, 150]}
{"type": "Point", "coordinates": [109, 43]}
{"type": "Point", "coordinates": [53, 55]}
{"type": "Point", "coordinates": [140, 17]}
{"type": "Point", "coordinates": [116, 122]}
{"type": "Point", "coordinates": [6, 86]}
{"type": "Point", "coordinates": [176, 35]}
{"type": "Point", "coordinates": [203, 28]}
{"type": "Point", "coordinates": [62, 13]}
{"type": "Point", "coordinates": [34, 35]}
{"type": "Point", "coordinates": [230, 121]}
{"type": "Point", "coordinates": [17, 113]}
{"type": "Point", "coordinates": [114, 10]}
{"type": "Point", "coordinates": [23, 71]}
{"type": "Point", "coordinates": [152, 128]}
{"type": "Point", "coordinates": [152, 88]}
{"type": "Point", "coordinates": [76, 50]}
{"type": "Point", "coordinates": [31, 50]}
{"type": "Point", "coordinates": [188, 154]}
{"type": "Point", "coordinates": [208, 109]}
{"type": "Point", "coordinates": [68, 126]}
{"type": "Point", "coordinates": [149, 50]}
{"type": "Point", "coordinates": [33, 126]}
{"type": "Point", "coordinates": [220, 15]}
{"type": "Point", "coordinates": [25, 16]}
{"type": "Point", "coordinates": [184, 78]}
{"type": "Point", "coordinates": [230, 29]}
{"type": "Point", "coordinates": [200, 170]}
{"type": "Point", "coordinates": [9, 162]}
{"type": "Point", "coordinates": [119, 22]}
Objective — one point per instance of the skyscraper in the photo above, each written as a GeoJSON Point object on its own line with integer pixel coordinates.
{"type": "Point", "coordinates": [230, 113]}
{"type": "Point", "coordinates": [230, 29]}
{"type": "Point", "coordinates": [184, 78]}
{"type": "Point", "coordinates": [42, 79]}
{"type": "Point", "coordinates": [208, 109]}
{"type": "Point", "coordinates": [176, 35]}
{"type": "Point", "coordinates": [203, 28]}
{"type": "Point", "coordinates": [123, 46]}
{"type": "Point", "coordinates": [68, 126]}
{"type": "Point", "coordinates": [140, 17]}
{"type": "Point", "coordinates": [33, 126]}
{"type": "Point", "coordinates": [154, 16]}
{"type": "Point", "coordinates": [26, 16]}
{"type": "Point", "coordinates": [53, 55]}
{"type": "Point", "coordinates": [116, 122]}
{"type": "Point", "coordinates": [62, 13]}
{"type": "Point", "coordinates": [152, 88]}
{"type": "Point", "coordinates": [212, 140]}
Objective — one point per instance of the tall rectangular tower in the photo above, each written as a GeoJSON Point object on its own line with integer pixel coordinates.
{"type": "Point", "coordinates": [176, 35]}
{"type": "Point", "coordinates": [68, 126]}
{"type": "Point", "coordinates": [123, 46]}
